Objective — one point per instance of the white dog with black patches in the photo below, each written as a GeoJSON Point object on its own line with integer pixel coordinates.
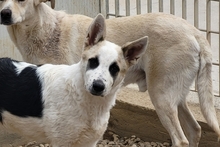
{"type": "Point", "coordinates": [68, 106]}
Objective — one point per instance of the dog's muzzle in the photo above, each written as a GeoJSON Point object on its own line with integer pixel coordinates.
{"type": "Point", "coordinates": [6, 17]}
{"type": "Point", "coordinates": [98, 88]}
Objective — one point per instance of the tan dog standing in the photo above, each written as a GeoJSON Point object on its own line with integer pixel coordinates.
{"type": "Point", "coordinates": [176, 53]}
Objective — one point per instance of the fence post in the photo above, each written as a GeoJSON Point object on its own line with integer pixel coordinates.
{"type": "Point", "coordinates": [104, 9]}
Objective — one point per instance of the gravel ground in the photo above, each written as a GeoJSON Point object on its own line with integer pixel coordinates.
{"type": "Point", "coordinates": [115, 141]}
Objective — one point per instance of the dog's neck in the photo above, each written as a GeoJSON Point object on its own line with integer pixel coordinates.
{"type": "Point", "coordinates": [38, 35]}
{"type": "Point", "coordinates": [45, 18]}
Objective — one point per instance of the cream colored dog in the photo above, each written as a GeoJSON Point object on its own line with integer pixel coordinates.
{"type": "Point", "coordinates": [177, 52]}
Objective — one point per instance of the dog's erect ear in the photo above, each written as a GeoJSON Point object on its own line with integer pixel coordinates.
{"type": "Point", "coordinates": [134, 50]}
{"type": "Point", "coordinates": [96, 31]}
{"type": "Point", "coordinates": [37, 2]}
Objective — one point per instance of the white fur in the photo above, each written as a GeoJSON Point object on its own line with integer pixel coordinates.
{"type": "Point", "coordinates": [21, 65]}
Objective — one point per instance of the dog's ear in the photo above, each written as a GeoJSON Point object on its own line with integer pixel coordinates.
{"type": "Point", "coordinates": [134, 50]}
{"type": "Point", "coordinates": [37, 2]}
{"type": "Point", "coordinates": [96, 31]}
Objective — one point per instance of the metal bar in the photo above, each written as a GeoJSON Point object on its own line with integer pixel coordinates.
{"type": "Point", "coordinates": [160, 5]}
{"type": "Point", "coordinates": [138, 5]}
{"type": "Point", "coordinates": [149, 6]}
{"type": "Point", "coordinates": [103, 6]}
{"type": "Point", "coordinates": [217, 64]}
{"type": "Point", "coordinates": [109, 14]}
{"type": "Point", "coordinates": [116, 8]}
{"type": "Point", "coordinates": [184, 9]}
{"type": "Point", "coordinates": [196, 24]}
{"type": "Point", "coordinates": [107, 8]}
{"type": "Point", "coordinates": [128, 8]}
{"type": "Point", "coordinates": [196, 13]}
{"type": "Point", "coordinates": [196, 91]}
{"type": "Point", "coordinates": [208, 20]}
{"type": "Point", "coordinates": [214, 32]}
{"type": "Point", "coordinates": [172, 6]}
{"type": "Point", "coordinates": [219, 52]}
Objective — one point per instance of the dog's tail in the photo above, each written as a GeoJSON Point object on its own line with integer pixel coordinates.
{"type": "Point", "coordinates": [204, 85]}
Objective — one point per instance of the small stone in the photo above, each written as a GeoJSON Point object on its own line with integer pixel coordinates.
{"type": "Point", "coordinates": [141, 144]}
{"type": "Point", "coordinates": [115, 138]}
{"type": "Point", "coordinates": [153, 144]}
{"type": "Point", "coordinates": [46, 145]}
{"type": "Point", "coordinates": [100, 145]}
{"type": "Point", "coordinates": [30, 144]}
{"type": "Point", "coordinates": [134, 145]}
{"type": "Point", "coordinates": [105, 142]}
{"type": "Point", "coordinates": [130, 142]}
{"type": "Point", "coordinates": [159, 144]}
{"type": "Point", "coordinates": [121, 144]}
{"type": "Point", "coordinates": [166, 144]}
{"type": "Point", "coordinates": [147, 144]}
{"type": "Point", "coordinates": [137, 140]}
{"type": "Point", "coordinates": [111, 143]}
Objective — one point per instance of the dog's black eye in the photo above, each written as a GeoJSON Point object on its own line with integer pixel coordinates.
{"type": "Point", "coordinates": [114, 69]}
{"type": "Point", "coordinates": [93, 63]}
{"type": "Point", "coordinates": [21, 0]}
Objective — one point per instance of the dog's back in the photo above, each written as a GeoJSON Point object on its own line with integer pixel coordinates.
{"type": "Point", "coordinates": [16, 94]}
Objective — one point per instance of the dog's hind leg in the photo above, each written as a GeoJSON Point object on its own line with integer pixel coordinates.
{"type": "Point", "coordinates": [168, 115]}
{"type": "Point", "coordinates": [190, 126]}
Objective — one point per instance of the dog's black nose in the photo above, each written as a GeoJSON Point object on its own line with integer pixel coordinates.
{"type": "Point", "coordinates": [6, 16]}
{"type": "Point", "coordinates": [98, 87]}
{"type": "Point", "coordinates": [6, 13]}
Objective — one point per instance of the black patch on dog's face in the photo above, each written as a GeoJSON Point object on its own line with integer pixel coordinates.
{"type": "Point", "coordinates": [114, 69]}
{"type": "Point", "coordinates": [19, 94]}
{"type": "Point", "coordinates": [93, 63]}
